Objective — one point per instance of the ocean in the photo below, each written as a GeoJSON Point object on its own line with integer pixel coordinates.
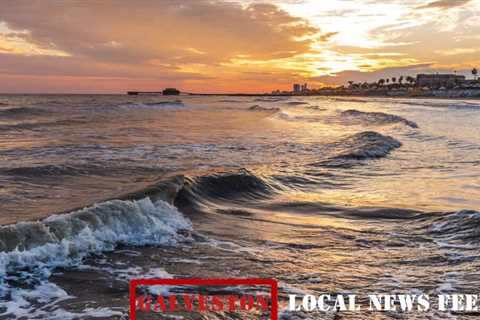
{"type": "Point", "coordinates": [332, 195]}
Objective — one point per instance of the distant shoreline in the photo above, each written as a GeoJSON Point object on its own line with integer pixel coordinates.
{"type": "Point", "coordinates": [251, 95]}
{"type": "Point", "coordinates": [432, 94]}
{"type": "Point", "coordinates": [329, 95]}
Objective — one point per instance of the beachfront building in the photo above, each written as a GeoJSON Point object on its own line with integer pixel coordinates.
{"type": "Point", "coordinates": [470, 84]}
{"type": "Point", "coordinates": [439, 80]}
{"type": "Point", "coordinates": [297, 88]}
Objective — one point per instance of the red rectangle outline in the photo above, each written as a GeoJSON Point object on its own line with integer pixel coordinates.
{"type": "Point", "coordinates": [207, 282]}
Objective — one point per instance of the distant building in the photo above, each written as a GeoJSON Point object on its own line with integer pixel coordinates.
{"type": "Point", "coordinates": [439, 80]}
{"type": "Point", "coordinates": [470, 84]}
{"type": "Point", "coordinates": [297, 88]}
{"type": "Point", "coordinates": [304, 87]}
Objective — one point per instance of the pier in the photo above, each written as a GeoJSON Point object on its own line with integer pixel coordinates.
{"type": "Point", "coordinates": [136, 93]}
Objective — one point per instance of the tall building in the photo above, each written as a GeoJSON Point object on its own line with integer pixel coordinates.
{"type": "Point", "coordinates": [297, 88]}
{"type": "Point", "coordinates": [304, 87]}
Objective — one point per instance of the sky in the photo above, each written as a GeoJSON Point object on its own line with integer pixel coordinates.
{"type": "Point", "coordinates": [112, 46]}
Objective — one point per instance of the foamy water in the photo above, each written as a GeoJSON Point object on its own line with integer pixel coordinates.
{"type": "Point", "coordinates": [331, 195]}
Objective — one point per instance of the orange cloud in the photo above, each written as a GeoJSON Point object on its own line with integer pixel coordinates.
{"type": "Point", "coordinates": [224, 45]}
{"type": "Point", "coordinates": [152, 38]}
{"type": "Point", "coordinates": [444, 4]}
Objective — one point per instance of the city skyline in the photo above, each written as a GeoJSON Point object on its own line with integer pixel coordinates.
{"type": "Point", "coordinates": [230, 46]}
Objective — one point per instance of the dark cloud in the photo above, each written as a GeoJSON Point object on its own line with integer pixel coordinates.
{"type": "Point", "coordinates": [444, 4]}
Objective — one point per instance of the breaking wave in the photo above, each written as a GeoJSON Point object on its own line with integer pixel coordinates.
{"type": "Point", "coordinates": [148, 216]}
{"type": "Point", "coordinates": [63, 240]}
{"type": "Point", "coordinates": [365, 145]}
{"type": "Point", "coordinates": [358, 147]}
{"type": "Point", "coordinates": [145, 217]}
{"type": "Point", "coordinates": [242, 185]}
{"type": "Point", "coordinates": [375, 118]}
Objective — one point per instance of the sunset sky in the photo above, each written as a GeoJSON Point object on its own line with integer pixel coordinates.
{"type": "Point", "coordinates": [229, 46]}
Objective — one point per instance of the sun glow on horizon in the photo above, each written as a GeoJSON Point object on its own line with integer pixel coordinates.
{"type": "Point", "coordinates": [243, 45]}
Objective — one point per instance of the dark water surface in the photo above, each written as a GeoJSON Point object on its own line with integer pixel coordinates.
{"type": "Point", "coordinates": [327, 195]}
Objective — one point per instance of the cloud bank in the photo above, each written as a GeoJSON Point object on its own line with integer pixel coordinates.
{"type": "Point", "coordinates": [228, 46]}
{"type": "Point", "coordinates": [157, 40]}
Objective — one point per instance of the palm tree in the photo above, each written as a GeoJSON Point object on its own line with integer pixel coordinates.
{"type": "Point", "coordinates": [400, 80]}
{"type": "Point", "coordinates": [410, 79]}
{"type": "Point", "coordinates": [388, 80]}
{"type": "Point", "coordinates": [394, 79]}
{"type": "Point", "coordinates": [381, 82]}
{"type": "Point", "coordinates": [474, 72]}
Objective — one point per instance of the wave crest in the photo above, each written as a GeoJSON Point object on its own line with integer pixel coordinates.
{"type": "Point", "coordinates": [223, 186]}
{"type": "Point", "coordinates": [376, 118]}
{"type": "Point", "coordinates": [459, 226]}
{"type": "Point", "coordinates": [365, 145]}
{"type": "Point", "coordinates": [62, 240]}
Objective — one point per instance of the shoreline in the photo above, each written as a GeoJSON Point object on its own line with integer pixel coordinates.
{"type": "Point", "coordinates": [248, 95]}
{"type": "Point", "coordinates": [329, 95]}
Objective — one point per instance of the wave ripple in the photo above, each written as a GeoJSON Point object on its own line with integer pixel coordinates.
{"type": "Point", "coordinates": [376, 118]}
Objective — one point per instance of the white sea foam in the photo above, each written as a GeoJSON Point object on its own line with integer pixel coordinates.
{"type": "Point", "coordinates": [21, 300]}
{"type": "Point", "coordinates": [64, 240]}
{"type": "Point", "coordinates": [19, 308]}
{"type": "Point", "coordinates": [130, 273]}
{"type": "Point", "coordinates": [158, 273]}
